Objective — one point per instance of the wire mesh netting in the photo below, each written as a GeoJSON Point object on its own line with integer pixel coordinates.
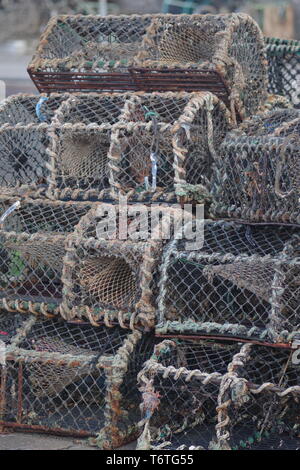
{"type": "Point", "coordinates": [92, 108]}
{"type": "Point", "coordinates": [24, 122]}
{"type": "Point", "coordinates": [156, 146]}
{"type": "Point", "coordinates": [243, 282]}
{"type": "Point", "coordinates": [111, 267]}
{"type": "Point", "coordinates": [24, 109]}
{"type": "Point", "coordinates": [79, 164]}
{"type": "Point", "coordinates": [33, 234]}
{"type": "Point", "coordinates": [257, 170]}
{"type": "Point", "coordinates": [23, 155]}
{"type": "Point", "coordinates": [72, 379]}
{"type": "Point", "coordinates": [284, 67]}
{"type": "Point", "coordinates": [203, 395]}
{"type": "Point", "coordinates": [10, 325]}
{"type": "Point", "coordinates": [120, 52]}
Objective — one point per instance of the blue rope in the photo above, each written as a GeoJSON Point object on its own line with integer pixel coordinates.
{"type": "Point", "coordinates": [38, 110]}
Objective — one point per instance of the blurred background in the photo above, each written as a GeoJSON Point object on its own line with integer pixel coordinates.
{"type": "Point", "coordinates": [22, 21]}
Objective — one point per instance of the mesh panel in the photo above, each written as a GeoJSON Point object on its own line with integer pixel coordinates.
{"type": "Point", "coordinates": [23, 155]}
{"type": "Point", "coordinates": [209, 396]}
{"type": "Point", "coordinates": [60, 378]}
{"type": "Point", "coordinates": [284, 67]}
{"type": "Point", "coordinates": [79, 39]}
{"type": "Point", "coordinates": [166, 107]}
{"type": "Point", "coordinates": [83, 156]}
{"type": "Point", "coordinates": [103, 279]}
{"type": "Point", "coordinates": [134, 152]}
{"type": "Point", "coordinates": [10, 324]}
{"type": "Point", "coordinates": [80, 161]}
{"type": "Point", "coordinates": [244, 282]}
{"type": "Point", "coordinates": [257, 175]}
{"type": "Point", "coordinates": [32, 248]}
{"type": "Point", "coordinates": [29, 109]}
{"type": "Point", "coordinates": [93, 108]}
{"type": "Point", "coordinates": [109, 280]}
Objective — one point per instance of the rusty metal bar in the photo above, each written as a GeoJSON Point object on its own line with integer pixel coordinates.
{"type": "Point", "coordinates": [227, 338]}
{"type": "Point", "coordinates": [62, 432]}
{"type": "Point", "coordinates": [20, 393]}
{"type": "Point", "coordinates": [3, 391]}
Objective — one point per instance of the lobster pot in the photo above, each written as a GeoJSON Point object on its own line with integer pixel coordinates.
{"type": "Point", "coordinates": [111, 266]}
{"type": "Point", "coordinates": [32, 251]}
{"type": "Point", "coordinates": [284, 67]}
{"type": "Point", "coordinates": [180, 385]}
{"type": "Point", "coordinates": [164, 158]}
{"type": "Point", "coordinates": [257, 174]}
{"type": "Point", "coordinates": [24, 109]}
{"type": "Point", "coordinates": [243, 282]}
{"type": "Point", "coordinates": [204, 395]}
{"type": "Point", "coordinates": [149, 147]}
{"type": "Point", "coordinates": [155, 52]}
{"type": "Point", "coordinates": [88, 53]}
{"type": "Point", "coordinates": [73, 380]}
{"type": "Point", "coordinates": [79, 146]}
{"type": "Point", "coordinates": [189, 51]}
{"type": "Point", "coordinates": [264, 409]}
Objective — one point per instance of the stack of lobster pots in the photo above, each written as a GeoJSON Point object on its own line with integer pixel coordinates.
{"type": "Point", "coordinates": [150, 235]}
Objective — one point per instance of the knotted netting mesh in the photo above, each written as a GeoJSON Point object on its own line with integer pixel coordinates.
{"type": "Point", "coordinates": [10, 325]}
{"type": "Point", "coordinates": [33, 234]}
{"type": "Point", "coordinates": [23, 155]}
{"type": "Point", "coordinates": [72, 379]}
{"type": "Point", "coordinates": [24, 123]}
{"type": "Point", "coordinates": [24, 109]}
{"type": "Point", "coordinates": [243, 282]}
{"type": "Point", "coordinates": [284, 68]}
{"type": "Point", "coordinates": [206, 395]}
{"type": "Point", "coordinates": [111, 266]}
{"type": "Point", "coordinates": [256, 175]}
